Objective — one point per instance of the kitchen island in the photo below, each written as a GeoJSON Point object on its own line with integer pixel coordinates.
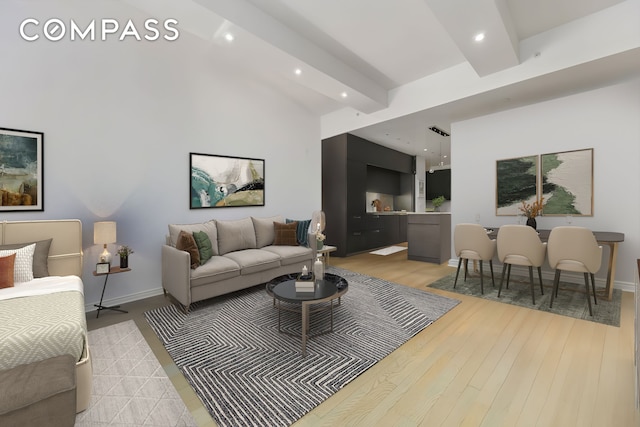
{"type": "Point", "coordinates": [429, 236]}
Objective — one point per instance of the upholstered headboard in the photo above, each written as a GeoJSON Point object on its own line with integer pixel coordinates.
{"type": "Point", "coordinates": [65, 253]}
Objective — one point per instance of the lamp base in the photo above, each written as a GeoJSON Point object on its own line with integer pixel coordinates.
{"type": "Point", "coordinates": [105, 256]}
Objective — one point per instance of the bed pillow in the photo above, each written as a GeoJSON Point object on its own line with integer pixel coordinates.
{"type": "Point", "coordinates": [302, 230]}
{"type": "Point", "coordinates": [23, 265]}
{"type": "Point", "coordinates": [204, 246]}
{"type": "Point", "coordinates": [6, 271]}
{"type": "Point", "coordinates": [40, 256]}
{"type": "Point", "coordinates": [187, 243]}
{"type": "Point", "coordinates": [285, 234]}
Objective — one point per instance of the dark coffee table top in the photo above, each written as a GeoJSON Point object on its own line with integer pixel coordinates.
{"type": "Point", "coordinates": [286, 291]}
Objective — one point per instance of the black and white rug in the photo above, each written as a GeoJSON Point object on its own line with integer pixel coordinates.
{"type": "Point", "coordinates": [248, 374]}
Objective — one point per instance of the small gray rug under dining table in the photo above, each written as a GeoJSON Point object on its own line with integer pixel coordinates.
{"type": "Point", "coordinates": [248, 374]}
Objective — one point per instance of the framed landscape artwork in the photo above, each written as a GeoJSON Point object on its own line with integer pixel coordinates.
{"type": "Point", "coordinates": [516, 180]}
{"type": "Point", "coordinates": [567, 182]}
{"type": "Point", "coordinates": [225, 181]}
{"type": "Point", "coordinates": [21, 170]}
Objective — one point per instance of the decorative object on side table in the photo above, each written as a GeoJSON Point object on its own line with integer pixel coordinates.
{"type": "Point", "coordinates": [123, 252]}
{"type": "Point", "coordinates": [531, 211]}
{"type": "Point", "coordinates": [317, 226]}
{"type": "Point", "coordinates": [103, 267]}
{"type": "Point", "coordinates": [437, 202]}
{"type": "Point", "coordinates": [104, 232]}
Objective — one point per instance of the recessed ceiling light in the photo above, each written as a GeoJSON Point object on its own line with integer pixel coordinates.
{"type": "Point", "coordinates": [298, 71]}
{"type": "Point", "coordinates": [479, 37]}
{"type": "Point", "coordinates": [425, 149]}
{"type": "Point", "coordinates": [228, 37]}
{"type": "Point", "coordinates": [343, 94]}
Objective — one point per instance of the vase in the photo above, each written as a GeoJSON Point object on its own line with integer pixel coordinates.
{"type": "Point", "coordinates": [319, 244]}
{"type": "Point", "coordinates": [531, 222]}
{"type": "Point", "coordinates": [124, 262]}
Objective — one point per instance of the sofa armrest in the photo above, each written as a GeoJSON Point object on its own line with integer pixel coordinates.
{"type": "Point", "coordinates": [176, 274]}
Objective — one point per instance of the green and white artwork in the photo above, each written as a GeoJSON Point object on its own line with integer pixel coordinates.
{"type": "Point", "coordinates": [516, 180]}
{"type": "Point", "coordinates": [567, 182]}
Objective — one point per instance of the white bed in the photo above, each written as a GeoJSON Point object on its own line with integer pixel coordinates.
{"type": "Point", "coordinates": [51, 306]}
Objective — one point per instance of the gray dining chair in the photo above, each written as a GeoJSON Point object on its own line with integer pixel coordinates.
{"type": "Point", "coordinates": [471, 242]}
{"type": "Point", "coordinates": [520, 245]}
{"type": "Point", "coordinates": [571, 248]}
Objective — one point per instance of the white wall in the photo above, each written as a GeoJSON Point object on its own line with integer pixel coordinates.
{"type": "Point", "coordinates": [607, 120]}
{"type": "Point", "coordinates": [119, 120]}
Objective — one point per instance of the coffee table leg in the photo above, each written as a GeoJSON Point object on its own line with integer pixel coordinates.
{"type": "Point", "coordinates": [305, 327]}
{"type": "Point", "coordinates": [279, 311]}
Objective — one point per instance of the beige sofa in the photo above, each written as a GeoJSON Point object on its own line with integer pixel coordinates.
{"type": "Point", "coordinates": [244, 255]}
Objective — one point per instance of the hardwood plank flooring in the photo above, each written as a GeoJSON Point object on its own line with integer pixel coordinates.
{"type": "Point", "coordinates": [482, 364]}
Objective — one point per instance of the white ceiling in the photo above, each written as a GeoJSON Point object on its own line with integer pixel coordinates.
{"type": "Point", "coordinates": [368, 48]}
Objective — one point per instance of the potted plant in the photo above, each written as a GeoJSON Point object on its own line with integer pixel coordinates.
{"type": "Point", "coordinates": [437, 202]}
{"type": "Point", "coordinates": [531, 211]}
{"type": "Point", "coordinates": [123, 252]}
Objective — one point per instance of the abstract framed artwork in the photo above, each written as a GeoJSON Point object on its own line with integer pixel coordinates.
{"type": "Point", "coordinates": [21, 170]}
{"type": "Point", "coordinates": [225, 181]}
{"type": "Point", "coordinates": [516, 180]}
{"type": "Point", "coordinates": [567, 182]}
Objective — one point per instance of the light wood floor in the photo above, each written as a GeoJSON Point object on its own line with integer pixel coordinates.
{"type": "Point", "coordinates": [482, 364]}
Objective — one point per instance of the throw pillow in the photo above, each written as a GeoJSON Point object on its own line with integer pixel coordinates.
{"type": "Point", "coordinates": [6, 271]}
{"type": "Point", "coordinates": [23, 265]}
{"type": "Point", "coordinates": [204, 246]}
{"type": "Point", "coordinates": [302, 230]}
{"type": "Point", "coordinates": [264, 230]}
{"type": "Point", "coordinates": [187, 243]}
{"type": "Point", "coordinates": [40, 256]}
{"type": "Point", "coordinates": [235, 235]}
{"type": "Point", "coordinates": [285, 234]}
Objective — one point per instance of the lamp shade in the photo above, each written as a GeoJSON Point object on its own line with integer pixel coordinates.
{"type": "Point", "coordinates": [104, 232]}
{"type": "Point", "coordinates": [317, 222]}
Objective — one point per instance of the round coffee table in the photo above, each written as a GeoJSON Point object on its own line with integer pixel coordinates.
{"type": "Point", "coordinates": [283, 289]}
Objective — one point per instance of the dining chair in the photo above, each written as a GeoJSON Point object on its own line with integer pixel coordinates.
{"type": "Point", "coordinates": [520, 245]}
{"type": "Point", "coordinates": [571, 248]}
{"type": "Point", "coordinates": [471, 242]}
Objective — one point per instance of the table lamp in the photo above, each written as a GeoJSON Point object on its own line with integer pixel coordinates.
{"type": "Point", "coordinates": [104, 232]}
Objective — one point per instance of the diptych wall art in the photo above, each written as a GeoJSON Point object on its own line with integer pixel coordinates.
{"type": "Point", "coordinates": [225, 181]}
{"type": "Point", "coordinates": [564, 179]}
{"type": "Point", "coordinates": [21, 170]}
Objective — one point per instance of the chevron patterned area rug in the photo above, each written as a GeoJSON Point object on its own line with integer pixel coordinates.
{"type": "Point", "coordinates": [248, 374]}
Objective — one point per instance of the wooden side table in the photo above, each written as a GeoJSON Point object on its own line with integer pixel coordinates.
{"type": "Point", "coordinates": [113, 270]}
{"type": "Point", "coordinates": [325, 251]}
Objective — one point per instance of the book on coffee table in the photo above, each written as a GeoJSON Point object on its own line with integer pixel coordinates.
{"type": "Point", "coordinates": [305, 283]}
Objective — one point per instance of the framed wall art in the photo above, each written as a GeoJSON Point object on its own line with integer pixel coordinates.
{"type": "Point", "coordinates": [567, 182]}
{"type": "Point", "coordinates": [516, 180]}
{"type": "Point", "coordinates": [225, 181]}
{"type": "Point", "coordinates": [21, 170]}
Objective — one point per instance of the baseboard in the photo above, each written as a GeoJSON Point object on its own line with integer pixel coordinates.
{"type": "Point", "coordinates": [570, 277]}
{"type": "Point", "coordinates": [125, 299]}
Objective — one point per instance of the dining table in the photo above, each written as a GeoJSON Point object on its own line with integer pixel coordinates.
{"type": "Point", "coordinates": [605, 238]}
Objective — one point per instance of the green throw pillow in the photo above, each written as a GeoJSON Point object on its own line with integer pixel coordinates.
{"type": "Point", "coordinates": [204, 246]}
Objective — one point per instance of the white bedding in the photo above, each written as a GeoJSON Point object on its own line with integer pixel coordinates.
{"type": "Point", "coordinates": [43, 286]}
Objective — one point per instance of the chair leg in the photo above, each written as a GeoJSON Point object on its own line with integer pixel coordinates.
{"type": "Point", "coordinates": [466, 268]}
{"type": "Point", "coordinates": [504, 269]}
{"type": "Point", "coordinates": [533, 295]}
{"type": "Point", "coordinates": [554, 291]}
{"type": "Point", "coordinates": [481, 279]}
{"type": "Point", "coordinates": [457, 272]}
{"type": "Point", "coordinates": [508, 275]}
{"type": "Point", "coordinates": [540, 277]}
{"type": "Point", "coordinates": [493, 280]}
{"type": "Point", "coordinates": [586, 283]}
{"type": "Point", "coordinates": [593, 285]}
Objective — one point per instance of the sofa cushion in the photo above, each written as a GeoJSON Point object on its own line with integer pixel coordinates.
{"type": "Point", "coordinates": [204, 245]}
{"type": "Point", "coordinates": [254, 260]}
{"type": "Point", "coordinates": [302, 230]}
{"type": "Point", "coordinates": [285, 234]}
{"type": "Point", "coordinates": [187, 243]}
{"type": "Point", "coordinates": [216, 269]}
{"type": "Point", "coordinates": [235, 235]}
{"type": "Point", "coordinates": [208, 227]}
{"type": "Point", "coordinates": [264, 230]}
{"type": "Point", "coordinates": [291, 254]}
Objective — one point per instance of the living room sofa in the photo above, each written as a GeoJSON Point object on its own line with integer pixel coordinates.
{"type": "Point", "coordinates": [243, 253]}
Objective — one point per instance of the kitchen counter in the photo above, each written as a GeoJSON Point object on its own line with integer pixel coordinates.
{"type": "Point", "coordinates": [429, 236]}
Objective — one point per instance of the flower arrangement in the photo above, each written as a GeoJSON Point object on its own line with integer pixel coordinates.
{"type": "Point", "coordinates": [320, 237]}
{"type": "Point", "coordinates": [534, 209]}
{"type": "Point", "coordinates": [124, 251]}
{"type": "Point", "coordinates": [438, 201]}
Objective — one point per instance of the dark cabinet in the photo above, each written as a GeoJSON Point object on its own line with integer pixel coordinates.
{"type": "Point", "coordinates": [345, 163]}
